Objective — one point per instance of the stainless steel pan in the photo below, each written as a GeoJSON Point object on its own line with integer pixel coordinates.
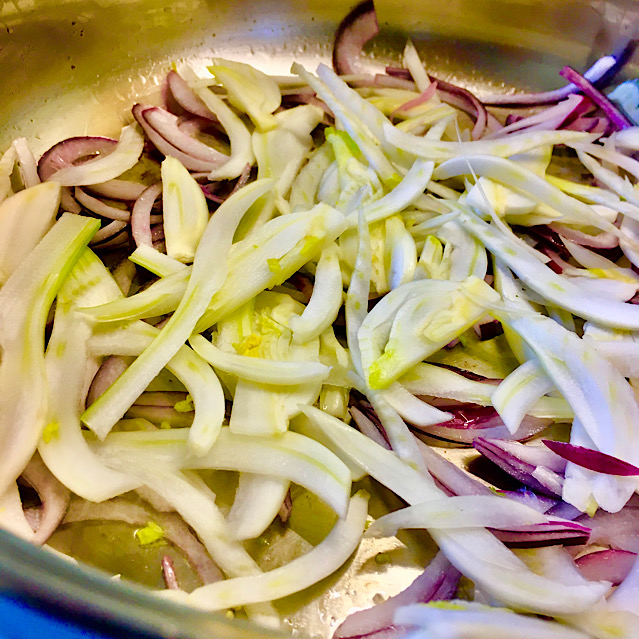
{"type": "Point", "coordinates": [72, 67]}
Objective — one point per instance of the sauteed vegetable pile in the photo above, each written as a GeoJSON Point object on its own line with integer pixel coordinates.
{"type": "Point", "coordinates": [311, 285]}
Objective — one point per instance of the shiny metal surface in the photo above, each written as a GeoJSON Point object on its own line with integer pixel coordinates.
{"type": "Point", "coordinates": [72, 67]}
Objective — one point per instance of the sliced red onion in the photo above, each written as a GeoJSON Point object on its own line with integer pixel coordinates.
{"type": "Point", "coordinates": [592, 459]}
{"type": "Point", "coordinates": [141, 215]}
{"type": "Point", "coordinates": [553, 117]}
{"type": "Point", "coordinates": [210, 191]}
{"type": "Point", "coordinates": [473, 421]}
{"type": "Point", "coordinates": [563, 510]}
{"type": "Point", "coordinates": [170, 141]}
{"type": "Point", "coordinates": [540, 503]}
{"type": "Point", "coordinates": [168, 573]}
{"type": "Point", "coordinates": [452, 95]}
{"type": "Point", "coordinates": [97, 206]}
{"type": "Point", "coordinates": [606, 565]}
{"type": "Point", "coordinates": [603, 240]}
{"type": "Point", "coordinates": [286, 508]}
{"type": "Point", "coordinates": [369, 428]}
{"type": "Point", "coordinates": [616, 117]}
{"type": "Point", "coordinates": [603, 67]}
{"type": "Point", "coordinates": [71, 152]}
{"type": "Point", "coordinates": [466, 101]}
{"type": "Point", "coordinates": [454, 479]}
{"type": "Point", "coordinates": [111, 369]}
{"type": "Point", "coordinates": [53, 495]}
{"type": "Point", "coordinates": [175, 529]}
{"type": "Point", "coordinates": [424, 97]}
{"type": "Point", "coordinates": [355, 30]}
{"type": "Point", "coordinates": [438, 580]}
{"type": "Point", "coordinates": [110, 232]}
{"type": "Point", "coordinates": [547, 238]}
{"type": "Point", "coordinates": [599, 125]}
{"type": "Point", "coordinates": [186, 98]}
{"type": "Point", "coordinates": [123, 190]}
{"type": "Point", "coordinates": [524, 463]}
{"type": "Point", "coordinates": [564, 533]}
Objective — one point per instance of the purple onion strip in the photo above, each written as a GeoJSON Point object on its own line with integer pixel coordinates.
{"type": "Point", "coordinates": [53, 495]}
{"type": "Point", "coordinates": [439, 577]}
{"type": "Point", "coordinates": [141, 215]}
{"type": "Point", "coordinates": [97, 206]}
{"type": "Point", "coordinates": [616, 117]}
{"type": "Point", "coordinates": [184, 96]}
{"type": "Point", "coordinates": [606, 565]}
{"type": "Point", "coordinates": [601, 68]}
{"type": "Point", "coordinates": [592, 459]}
{"type": "Point", "coordinates": [168, 573]}
{"type": "Point", "coordinates": [355, 30]}
{"type": "Point", "coordinates": [165, 145]}
{"type": "Point", "coordinates": [517, 467]}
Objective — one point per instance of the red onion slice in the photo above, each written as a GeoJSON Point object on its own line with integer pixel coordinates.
{"type": "Point", "coordinates": [554, 117]}
{"type": "Point", "coordinates": [97, 206]}
{"type": "Point", "coordinates": [616, 117]}
{"type": "Point", "coordinates": [111, 369]}
{"type": "Point", "coordinates": [141, 215]}
{"type": "Point", "coordinates": [602, 68]}
{"type": "Point", "coordinates": [73, 151]}
{"type": "Point", "coordinates": [452, 95]}
{"type": "Point", "coordinates": [466, 101]}
{"type": "Point", "coordinates": [592, 459]}
{"type": "Point", "coordinates": [118, 190]}
{"type": "Point", "coordinates": [170, 139]}
{"type": "Point", "coordinates": [424, 97]}
{"type": "Point", "coordinates": [603, 240]}
{"type": "Point", "coordinates": [70, 152]}
{"type": "Point", "coordinates": [355, 30]}
{"type": "Point", "coordinates": [511, 458]}
{"type": "Point", "coordinates": [530, 427]}
{"type": "Point", "coordinates": [168, 573]}
{"type": "Point", "coordinates": [606, 565]}
{"type": "Point", "coordinates": [109, 232]}
{"type": "Point", "coordinates": [471, 421]}
{"type": "Point", "coordinates": [186, 98]}
{"type": "Point", "coordinates": [53, 495]}
{"type": "Point", "coordinates": [439, 578]}
{"type": "Point", "coordinates": [564, 533]}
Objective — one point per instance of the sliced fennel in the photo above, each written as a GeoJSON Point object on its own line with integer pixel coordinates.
{"type": "Point", "coordinates": [24, 220]}
{"type": "Point", "coordinates": [249, 90]}
{"type": "Point", "coordinates": [555, 288]}
{"type": "Point", "coordinates": [436, 313]}
{"type": "Point", "coordinates": [257, 369]}
{"type": "Point", "coordinates": [185, 211]}
{"type": "Point", "coordinates": [321, 561]}
{"type": "Point", "coordinates": [476, 511]}
{"type": "Point", "coordinates": [25, 300]}
{"type": "Point", "coordinates": [207, 276]}
{"type": "Point", "coordinates": [68, 360]}
{"type": "Point", "coordinates": [326, 299]}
